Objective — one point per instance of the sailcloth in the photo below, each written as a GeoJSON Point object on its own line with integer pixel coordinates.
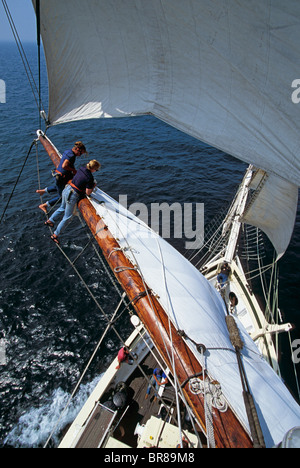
{"type": "Point", "coordinates": [221, 70]}
{"type": "Point", "coordinates": [273, 208]}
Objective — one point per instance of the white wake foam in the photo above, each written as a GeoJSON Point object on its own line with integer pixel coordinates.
{"type": "Point", "coordinates": [35, 426]}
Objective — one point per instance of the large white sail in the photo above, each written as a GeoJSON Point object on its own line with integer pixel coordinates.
{"type": "Point", "coordinates": [220, 71]}
{"type": "Point", "coordinates": [273, 208]}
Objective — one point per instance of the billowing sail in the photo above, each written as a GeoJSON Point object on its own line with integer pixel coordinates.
{"type": "Point", "coordinates": [224, 72]}
{"type": "Point", "coordinates": [273, 208]}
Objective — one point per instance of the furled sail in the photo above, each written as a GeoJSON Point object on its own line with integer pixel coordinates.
{"type": "Point", "coordinates": [272, 208]}
{"type": "Point", "coordinates": [220, 71]}
{"type": "Point", "coordinates": [193, 306]}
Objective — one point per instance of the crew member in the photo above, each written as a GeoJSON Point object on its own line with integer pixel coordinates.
{"type": "Point", "coordinates": [123, 356]}
{"type": "Point", "coordinates": [158, 378]}
{"type": "Point", "coordinates": [224, 274]}
{"type": "Point", "coordinates": [82, 184]}
{"type": "Point", "coordinates": [63, 174]}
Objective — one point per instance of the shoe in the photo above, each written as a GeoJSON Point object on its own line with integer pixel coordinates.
{"type": "Point", "coordinates": [55, 239]}
{"type": "Point", "coordinates": [49, 223]}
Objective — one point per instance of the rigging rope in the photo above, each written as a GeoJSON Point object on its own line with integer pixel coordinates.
{"type": "Point", "coordinates": [253, 419]}
{"type": "Point", "coordinates": [17, 181]}
{"type": "Point", "coordinates": [35, 91]}
{"type": "Point", "coordinates": [85, 370]}
{"type": "Point", "coordinates": [171, 338]}
{"type": "Point", "coordinates": [38, 35]}
{"type": "Point", "coordinates": [211, 443]}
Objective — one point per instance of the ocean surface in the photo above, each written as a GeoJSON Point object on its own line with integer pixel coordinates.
{"type": "Point", "coordinates": [49, 326]}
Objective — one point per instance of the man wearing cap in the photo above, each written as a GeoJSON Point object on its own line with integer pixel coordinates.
{"type": "Point", "coordinates": [64, 172]}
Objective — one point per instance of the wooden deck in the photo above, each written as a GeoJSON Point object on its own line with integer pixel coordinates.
{"type": "Point", "coordinates": [94, 434]}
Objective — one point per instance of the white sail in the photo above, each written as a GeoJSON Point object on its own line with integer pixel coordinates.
{"type": "Point", "coordinates": [273, 209]}
{"type": "Point", "coordinates": [220, 71]}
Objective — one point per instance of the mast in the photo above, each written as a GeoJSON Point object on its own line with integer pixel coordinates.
{"type": "Point", "coordinates": [171, 344]}
{"type": "Point", "coordinates": [233, 219]}
{"type": "Point", "coordinates": [38, 38]}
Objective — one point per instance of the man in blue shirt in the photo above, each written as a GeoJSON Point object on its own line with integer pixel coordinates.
{"type": "Point", "coordinates": [64, 172]}
{"type": "Point", "coordinates": [82, 184]}
{"type": "Point", "coordinates": [224, 275]}
{"type": "Point", "coordinates": [158, 378]}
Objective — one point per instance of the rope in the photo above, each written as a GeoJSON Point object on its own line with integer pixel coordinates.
{"type": "Point", "coordinates": [34, 88]}
{"type": "Point", "coordinates": [207, 408]}
{"type": "Point", "coordinates": [85, 370]}
{"type": "Point", "coordinates": [17, 181]}
{"type": "Point", "coordinates": [82, 281]}
{"type": "Point", "coordinates": [178, 388]}
{"type": "Point", "coordinates": [104, 265]}
{"type": "Point", "coordinates": [171, 337]}
{"type": "Point", "coordinates": [253, 419]}
{"type": "Point", "coordinates": [87, 245]}
{"type": "Point", "coordinates": [38, 36]}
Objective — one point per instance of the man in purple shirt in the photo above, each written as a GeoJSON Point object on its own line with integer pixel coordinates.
{"type": "Point", "coordinates": [64, 172]}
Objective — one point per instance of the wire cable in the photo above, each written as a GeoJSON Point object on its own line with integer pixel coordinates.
{"type": "Point", "coordinates": [17, 181]}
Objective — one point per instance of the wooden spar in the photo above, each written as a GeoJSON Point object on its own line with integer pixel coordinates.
{"type": "Point", "coordinates": [228, 431]}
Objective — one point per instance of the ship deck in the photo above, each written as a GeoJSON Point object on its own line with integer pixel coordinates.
{"type": "Point", "coordinates": [141, 409]}
{"type": "Point", "coordinates": [99, 426]}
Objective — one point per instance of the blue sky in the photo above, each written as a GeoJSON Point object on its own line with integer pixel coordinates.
{"type": "Point", "coordinates": [23, 14]}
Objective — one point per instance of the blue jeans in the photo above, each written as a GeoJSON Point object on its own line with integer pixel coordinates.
{"type": "Point", "coordinates": [69, 201]}
{"type": "Point", "coordinates": [154, 383]}
{"type": "Point", "coordinates": [57, 188]}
